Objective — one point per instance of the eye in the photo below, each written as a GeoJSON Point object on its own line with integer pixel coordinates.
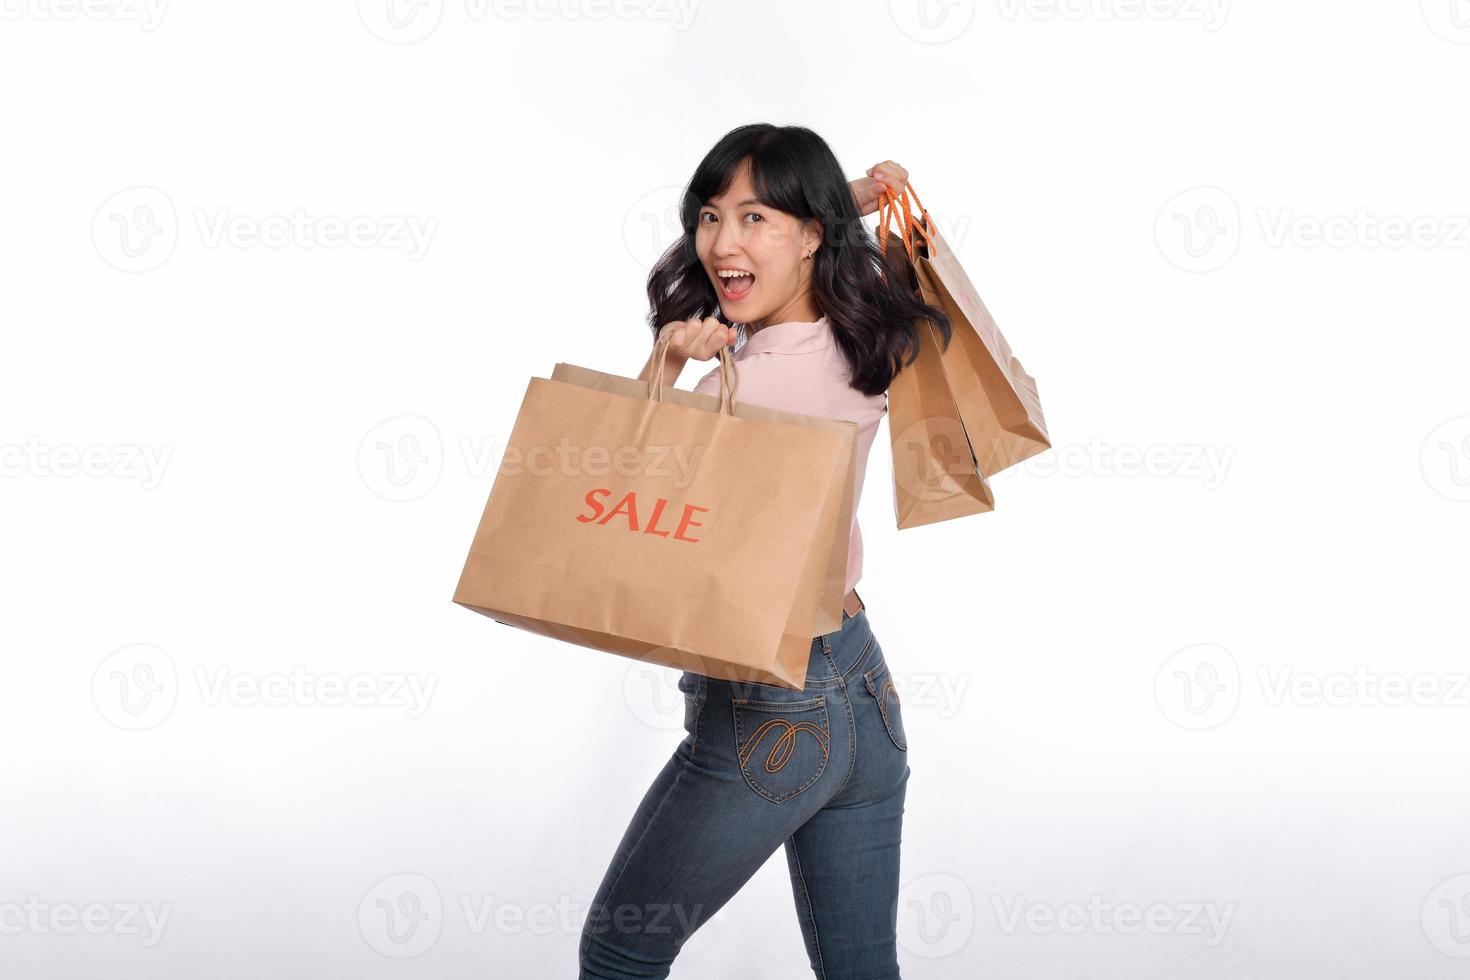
{"type": "Point", "coordinates": [705, 214]}
{"type": "Point", "coordinates": [756, 216]}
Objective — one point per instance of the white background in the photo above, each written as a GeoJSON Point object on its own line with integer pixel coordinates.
{"type": "Point", "coordinates": [1161, 675]}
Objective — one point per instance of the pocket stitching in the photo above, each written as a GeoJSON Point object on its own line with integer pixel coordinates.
{"type": "Point", "coordinates": [882, 698]}
{"type": "Point", "coordinates": [823, 733]}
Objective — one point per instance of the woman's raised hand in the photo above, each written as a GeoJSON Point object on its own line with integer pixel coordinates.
{"type": "Point", "coordinates": [886, 175]}
{"type": "Point", "coordinates": [697, 340]}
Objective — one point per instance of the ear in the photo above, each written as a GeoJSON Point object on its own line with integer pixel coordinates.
{"type": "Point", "coordinates": [812, 232]}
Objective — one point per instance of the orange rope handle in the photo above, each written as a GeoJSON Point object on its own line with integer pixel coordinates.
{"type": "Point", "coordinates": [890, 203]}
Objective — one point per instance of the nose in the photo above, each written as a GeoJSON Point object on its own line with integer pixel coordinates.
{"type": "Point", "coordinates": [727, 239]}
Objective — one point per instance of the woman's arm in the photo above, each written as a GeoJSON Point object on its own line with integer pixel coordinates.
{"type": "Point", "coordinates": [867, 190]}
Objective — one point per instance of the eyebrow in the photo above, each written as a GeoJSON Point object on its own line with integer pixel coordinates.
{"type": "Point", "coordinates": [748, 200]}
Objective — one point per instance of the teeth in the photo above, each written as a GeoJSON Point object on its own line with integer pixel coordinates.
{"type": "Point", "coordinates": [731, 273]}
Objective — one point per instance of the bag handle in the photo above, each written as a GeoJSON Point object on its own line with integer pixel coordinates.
{"type": "Point", "coordinates": [728, 376]}
{"type": "Point", "coordinates": [889, 207]}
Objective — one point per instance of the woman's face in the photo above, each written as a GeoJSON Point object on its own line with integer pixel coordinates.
{"type": "Point", "coordinates": [754, 255]}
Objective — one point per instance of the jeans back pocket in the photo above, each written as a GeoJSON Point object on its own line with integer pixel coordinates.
{"type": "Point", "coordinates": [782, 746]}
{"type": "Point", "coordinates": [880, 685]}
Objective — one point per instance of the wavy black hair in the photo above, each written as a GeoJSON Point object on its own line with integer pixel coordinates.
{"type": "Point", "coordinates": [794, 170]}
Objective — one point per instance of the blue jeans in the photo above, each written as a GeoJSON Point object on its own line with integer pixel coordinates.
{"type": "Point", "coordinates": [822, 771]}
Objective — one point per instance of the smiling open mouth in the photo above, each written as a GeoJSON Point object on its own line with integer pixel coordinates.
{"type": "Point", "coordinates": [734, 285]}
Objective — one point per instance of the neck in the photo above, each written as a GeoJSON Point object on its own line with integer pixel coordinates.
{"type": "Point", "coordinates": [800, 308]}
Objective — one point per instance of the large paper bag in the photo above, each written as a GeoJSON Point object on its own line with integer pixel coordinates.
{"type": "Point", "coordinates": [834, 574]}
{"type": "Point", "coordinates": [661, 531]}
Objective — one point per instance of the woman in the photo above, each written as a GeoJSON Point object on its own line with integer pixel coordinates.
{"type": "Point", "coordinates": [772, 241]}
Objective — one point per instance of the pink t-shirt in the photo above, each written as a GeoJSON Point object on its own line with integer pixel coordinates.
{"type": "Point", "coordinates": [797, 367]}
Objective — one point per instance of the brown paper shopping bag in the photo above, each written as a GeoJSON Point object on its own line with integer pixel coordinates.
{"type": "Point", "coordinates": [935, 474]}
{"type": "Point", "coordinates": [995, 399]}
{"type": "Point", "coordinates": [654, 529]}
{"type": "Point", "coordinates": [834, 574]}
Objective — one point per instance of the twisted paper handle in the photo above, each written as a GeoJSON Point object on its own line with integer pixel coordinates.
{"type": "Point", "coordinates": [728, 375]}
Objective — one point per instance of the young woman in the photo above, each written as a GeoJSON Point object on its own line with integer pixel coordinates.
{"type": "Point", "coordinates": [772, 242]}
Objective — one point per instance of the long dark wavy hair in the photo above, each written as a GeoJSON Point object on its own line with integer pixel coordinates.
{"type": "Point", "coordinates": [793, 170]}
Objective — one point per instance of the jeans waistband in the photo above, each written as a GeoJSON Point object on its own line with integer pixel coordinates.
{"type": "Point", "coordinates": [837, 655]}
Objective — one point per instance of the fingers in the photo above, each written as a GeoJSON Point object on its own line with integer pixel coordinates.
{"type": "Point", "coordinates": [890, 174]}
{"type": "Point", "coordinates": [697, 339]}
{"type": "Point", "coordinates": [712, 337]}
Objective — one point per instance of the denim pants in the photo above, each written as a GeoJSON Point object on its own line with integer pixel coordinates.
{"type": "Point", "coordinates": [822, 771]}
